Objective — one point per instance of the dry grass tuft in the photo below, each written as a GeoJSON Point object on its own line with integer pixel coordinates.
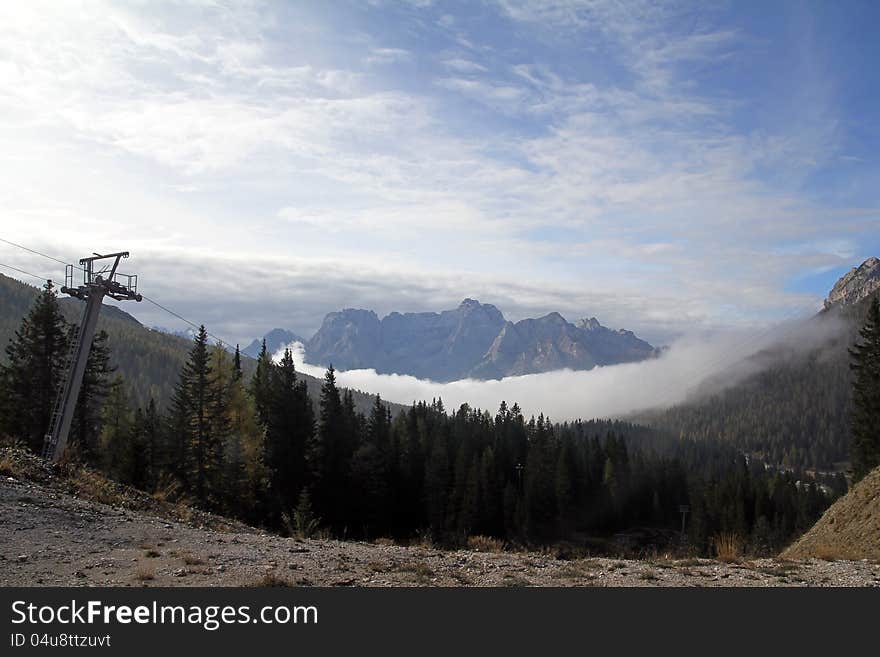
{"type": "Point", "coordinates": [462, 578]}
{"type": "Point", "coordinates": [422, 573]}
{"type": "Point", "coordinates": [145, 572]}
{"type": "Point", "coordinates": [94, 487]}
{"type": "Point", "coordinates": [191, 559]}
{"type": "Point", "coordinates": [481, 543]}
{"type": "Point", "coordinates": [728, 547]}
{"type": "Point", "coordinates": [7, 467]}
{"type": "Point", "coordinates": [515, 580]}
{"type": "Point", "coordinates": [576, 570]}
{"type": "Point", "coordinates": [688, 562]}
{"type": "Point", "coordinates": [424, 540]}
{"type": "Point", "coordinates": [269, 580]}
{"type": "Point", "coordinates": [167, 491]}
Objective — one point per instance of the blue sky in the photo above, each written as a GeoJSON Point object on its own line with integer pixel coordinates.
{"type": "Point", "coordinates": [666, 167]}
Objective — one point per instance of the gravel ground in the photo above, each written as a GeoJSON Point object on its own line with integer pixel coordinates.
{"type": "Point", "coordinates": [49, 537]}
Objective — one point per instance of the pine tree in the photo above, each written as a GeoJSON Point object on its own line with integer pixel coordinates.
{"type": "Point", "coordinates": [379, 425]}
{"type": "Point", "coordinates": [865, 447]}
{"type": "Point", "coordinates": [290, 422]}
{"type": "Point", "coordinates": [245, 476]}
{"type": "Point", "coordinates": [29, 380]}
{"type": "Point", "coordinates": [117, 448]}
{"type": "Point", "coordinates": [139, 474]}
{"type": "Point", "coordinates": [540, 471]}
{"type": "Point", "coordinates": [437, 485]}
{"type": "Point", "coordinates": [233, 430]}
{"type": "Point", "coordinates": [305, 523]}
{"type": "Point", "coordinates": [566, 476]}
{"type": "Point", "coordinates": [236, 364]}
{"type": "Point", "coordinates": [371, 474]}
{"type": "Point", "coordinates": [220, 382]}
{"type": "Point", "coordinates": [86, 427]}
{"type": "Point", "coordinates": [197, 451]}
{"type": "Point", "coordinates": [173, 454]}
{"type": "Point", "coordinates": [261, 384]}
{"type": "Point", "coordinates": [153, 440]}
{"type": "Point", "coordinates": [490, 507]}
{"type": "Point", "coordinates": [330, 456]}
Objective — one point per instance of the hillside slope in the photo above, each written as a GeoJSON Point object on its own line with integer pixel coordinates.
{"type": "Point", "coordinates": [849, 528]}
{"type": "Point", "coordinates": [148, 360]}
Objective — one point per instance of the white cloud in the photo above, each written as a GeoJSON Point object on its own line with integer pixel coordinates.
{"type": "Point", "coordinates": [388, 55]}
{"type": "Point", "coordinates": [463, 65]}
{"type": "Point", "coordinates": [224, 134]}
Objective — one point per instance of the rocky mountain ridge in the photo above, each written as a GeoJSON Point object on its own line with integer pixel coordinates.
{"type": "Point", "coordinates": [473, 340]}
{"type": "Point", "coordinates": [856, 285]}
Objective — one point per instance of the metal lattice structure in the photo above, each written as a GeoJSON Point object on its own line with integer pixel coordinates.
{"type": "Point", "coordinates": [97, 283]}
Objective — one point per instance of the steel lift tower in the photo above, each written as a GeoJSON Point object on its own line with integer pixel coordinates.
{"type": "Point", "coordinates": [97, 283]}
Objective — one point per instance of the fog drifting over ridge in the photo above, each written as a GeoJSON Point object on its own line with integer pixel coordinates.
{"type": "Point", "coordinates": [680, 372]}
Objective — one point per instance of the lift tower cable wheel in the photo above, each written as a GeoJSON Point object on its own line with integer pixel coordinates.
{"type": "Point", "coordinates": [97, 284]}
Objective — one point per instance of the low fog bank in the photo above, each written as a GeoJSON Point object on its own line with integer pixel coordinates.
{"type": "Point", "coordinates": [681, 372]}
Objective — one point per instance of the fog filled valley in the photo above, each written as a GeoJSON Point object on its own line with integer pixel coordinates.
{"type": "Point", "coordinates": [691, 367]}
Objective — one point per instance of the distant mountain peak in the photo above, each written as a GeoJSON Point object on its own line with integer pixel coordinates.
{"type": "Point", "coordinates": [472, 305]}
{"type": "Point", "coordinates": [857, 284]}
{"type": "Point", "coordinates": [554, 317]}
{"type": "Point", "coordinates": [275, 339]}
{"type": "Point", "coordinates": [589, 324]}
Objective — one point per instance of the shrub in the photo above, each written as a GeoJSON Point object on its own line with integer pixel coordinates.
{"type": "Point", "coordinates": [424, 539]}
{"type": "Point", "coordinates": [191, 559]}
{"type": "Point", "coordinates": [145, 571]}
{"type": "Point", "coordinates": [304, 523]}
{"type": "Point", "coordinates": [728, 547]}
{"type": "Point", "coordinates": [482, 543]}
{"type": "Point", "coordinates": [270, 579]}
{"type": "Point", "coordinates": [421, 572]}
{"type": "Point", "coordinates": [168, 490]}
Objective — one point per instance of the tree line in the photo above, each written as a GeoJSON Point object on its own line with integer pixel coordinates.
{"type": "Point", "coordinates": [259, 449]}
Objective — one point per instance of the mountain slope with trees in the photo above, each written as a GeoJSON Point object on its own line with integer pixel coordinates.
{"type": "Point", "coordinates": [147, 360]}
{"type": "Point", "coordinates": [795, 411]}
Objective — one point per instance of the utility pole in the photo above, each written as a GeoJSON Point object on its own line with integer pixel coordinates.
{"type": "Point", "coordinates": [96, 285]}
